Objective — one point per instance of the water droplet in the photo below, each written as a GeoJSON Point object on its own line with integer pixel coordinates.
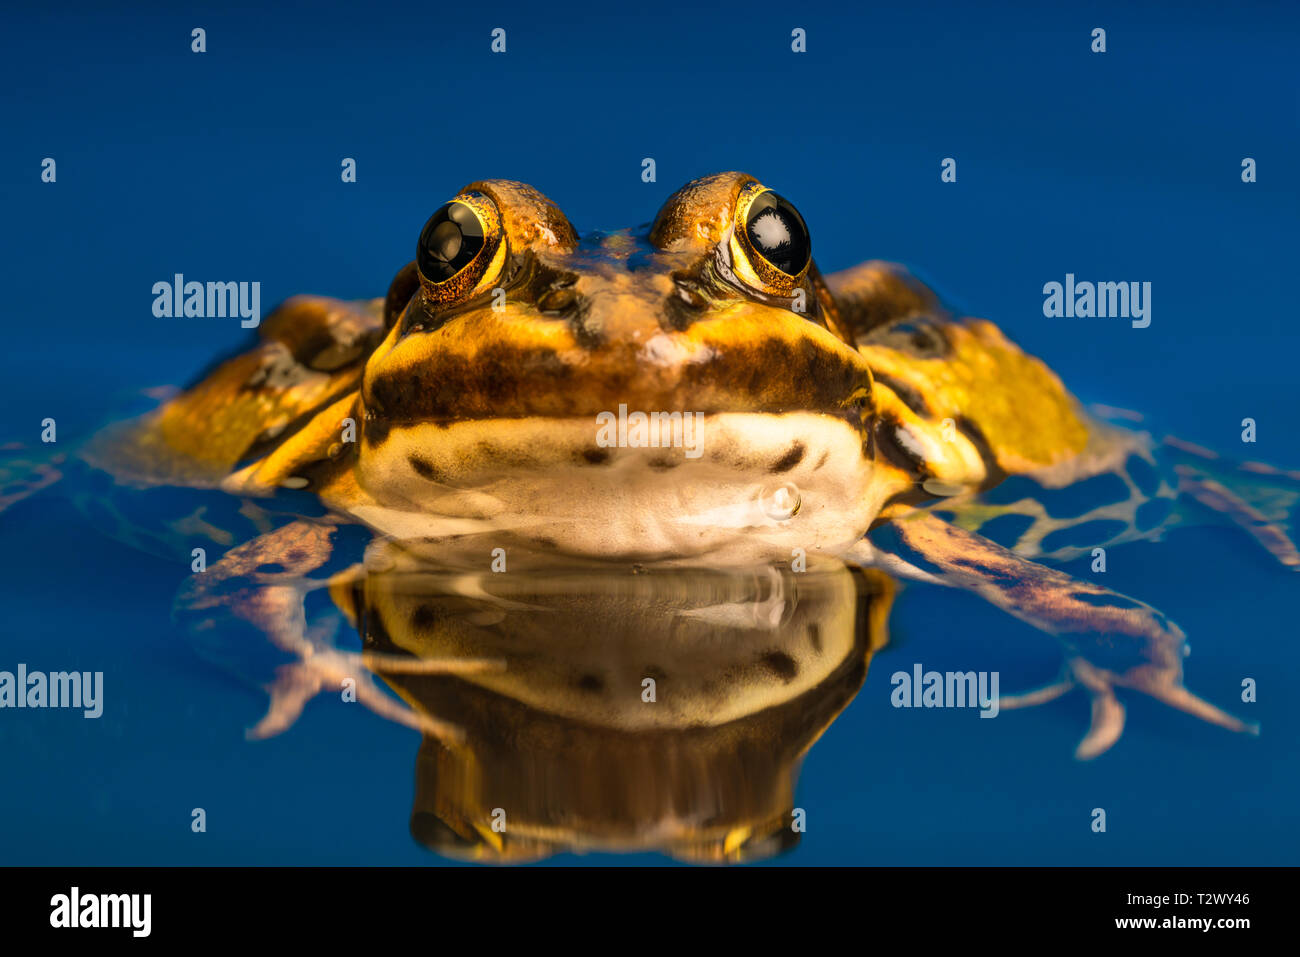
{"type": "Point", "coordinates": [782, 502]}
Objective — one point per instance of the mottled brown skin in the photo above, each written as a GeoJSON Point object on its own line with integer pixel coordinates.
{"type": "Point", "coordinates": [571, 341]}
{"type": "Point", "coordinates": [579, 314]}
{"type": "Point", "coordinates": [939, 408]}
{"type": "Point", "coordinates": [310, 354]}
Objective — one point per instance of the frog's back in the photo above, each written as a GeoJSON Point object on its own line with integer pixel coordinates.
{"type": "Point", "coordinates": [969, 419]}
{"type": "Point", "coordinates": [308, 357]}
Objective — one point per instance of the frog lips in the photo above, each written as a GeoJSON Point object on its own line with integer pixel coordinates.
{"type": "Point", "coordinates": [601, 491]}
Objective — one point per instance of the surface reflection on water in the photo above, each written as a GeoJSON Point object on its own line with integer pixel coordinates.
{"type": "Point", "coordinates": [633, 708]}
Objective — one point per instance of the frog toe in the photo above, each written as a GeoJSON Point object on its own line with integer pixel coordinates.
{"type": "Point", "coordinates": [1160, 684]}
{"type": "Point", "coordinates": [1172, 692]}
{"type": "Point", "coordinates": [293, 687]}
{"type": "Point", "coordinates": [21, 478]}
{"type": "Point", "coordinates": [1031, 699]}
{"type": "Point", "coordinates": [1106, 725]}
{"type": "Point", "coordinates": [1107, 722]}
{"type": "Point", "coordinates": [326, 668]}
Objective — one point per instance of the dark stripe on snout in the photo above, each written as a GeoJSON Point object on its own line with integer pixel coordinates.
{"type": "Point", "coordinates": [508, 380]}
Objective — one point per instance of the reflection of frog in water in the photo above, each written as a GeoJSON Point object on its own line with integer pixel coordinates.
{"type": "Point", "coordinates": [470, 401]}
{"type": "Point", "coordinates": [653, 709]}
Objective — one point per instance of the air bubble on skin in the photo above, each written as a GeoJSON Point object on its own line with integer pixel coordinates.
{"type": "Point", "coordinates": [781, 503]}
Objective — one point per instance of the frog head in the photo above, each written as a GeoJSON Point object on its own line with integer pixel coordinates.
{"type": "Point", "coordinates": [642, 392]}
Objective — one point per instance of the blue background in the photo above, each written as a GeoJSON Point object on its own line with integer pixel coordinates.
{"type": "Point", "coordinates": [1122, 166]}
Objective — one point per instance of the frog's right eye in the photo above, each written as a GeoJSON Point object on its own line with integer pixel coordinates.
{"type": "Point", "coordinates": [461, 249]}
{"type": "Point", "coordinates": [450, 241]}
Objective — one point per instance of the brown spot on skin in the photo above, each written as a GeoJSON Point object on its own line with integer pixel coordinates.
{"type": "Point", "coordinates": [663, 465]}
{"type": "Point", "coordinates": [815, 637]}
{"type": "Point", "coordinates": [595, 456]}
{"type": "Point", "coordinates": [374, 429]}
{"type": "Point", "coordinates": [423, 467]}
{"type": "Point", "coordinates": [788, 461]}
{"type": "Point", "coordinates": [425, 617]}
{"type": "Point", "coordinates": [780, 664]}
{"type": "Point", "coordinates": [822, 461]}
{"type": "Point", "coordinates": [590, 683]}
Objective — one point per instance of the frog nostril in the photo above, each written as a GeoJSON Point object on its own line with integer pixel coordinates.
{"type": "Point", "coordinates": [557, 301]}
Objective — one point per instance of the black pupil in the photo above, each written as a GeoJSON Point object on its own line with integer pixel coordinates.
{"type": "Point", "coordinates": [449, 242]}
{"type": "Point", "coordinates": [777, 231]}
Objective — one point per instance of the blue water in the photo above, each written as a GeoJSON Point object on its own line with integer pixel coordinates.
{"type": "Point", "coordinates": [1120, 166]}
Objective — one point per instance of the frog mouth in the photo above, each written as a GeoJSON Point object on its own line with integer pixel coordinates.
{"type": "Point", "coordinates": [593, 487]}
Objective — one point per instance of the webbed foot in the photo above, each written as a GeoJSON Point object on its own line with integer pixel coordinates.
{"type": "Point", "coordinates": [22, 476]}
{"type": "Point", "coordinates": [264, 583]}
{"type": "Point", "coordinates": [1112, 641]}
{"type": "Point", "coordinates": [325, 668]}
{"type": "Point", "coordinates": [1107, 723]}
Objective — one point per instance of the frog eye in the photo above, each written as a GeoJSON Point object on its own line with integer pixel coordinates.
{"type": "Point", "coordinates": [449, 242]}
{"type": "Point", "coordinates": [777, 232]}
{"type": "Point", "coordinates": [771, 245]}
{"type": "Point", "coordinates": [460, 250]}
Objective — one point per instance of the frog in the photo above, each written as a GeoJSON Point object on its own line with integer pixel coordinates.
{"type": "Point", "coordinates": [661, 708]}
{"type": "Point", "coordinates": [692, 391]}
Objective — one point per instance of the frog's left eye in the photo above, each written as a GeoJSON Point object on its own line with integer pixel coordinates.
{"type": "Point", "coordinates": [771, 248]}
{"type": "Point", "coordinates": [461, 249]}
